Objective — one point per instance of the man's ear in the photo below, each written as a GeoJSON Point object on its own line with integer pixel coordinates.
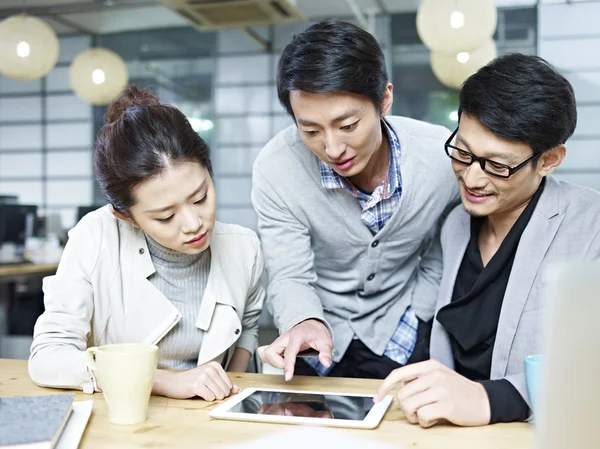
{"type": "Point", "coordinates": [124, 217]}
{"type": "Point", "coordinates": [388, 100]}
{"type": "Point", "coordinates": [551, 159]}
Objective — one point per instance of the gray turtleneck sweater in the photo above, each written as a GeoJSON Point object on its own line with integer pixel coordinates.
{"type": "Point", "coordinates": [182, 278]}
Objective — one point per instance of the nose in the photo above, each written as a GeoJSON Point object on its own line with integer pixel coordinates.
{"type": "Point", "coordinates": [191, 221]}
{"type": "Point", "coordinates": [474, 176]}
{"type": "Point", "coordinates": [334, 148]}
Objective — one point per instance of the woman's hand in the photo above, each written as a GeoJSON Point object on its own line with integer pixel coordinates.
{"type": "Point", "coordinates": [210, 382]}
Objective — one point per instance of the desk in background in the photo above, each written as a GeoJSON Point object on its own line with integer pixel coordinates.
{"type": "Point", "coordinates": [10, 275]}
{"type": "Point", "coordinates": [185, 424]}
{"type": "Point", "coordinates": [16, 271]}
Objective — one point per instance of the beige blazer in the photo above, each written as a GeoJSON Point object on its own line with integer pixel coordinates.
{"type": "Point", "coordinates": [101, 295]}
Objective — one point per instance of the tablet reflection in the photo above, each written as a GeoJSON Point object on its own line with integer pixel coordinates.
{"type": "Point", "coordinates": [304, 409]}
{"type": "Point", "coordinates": [305, 405]}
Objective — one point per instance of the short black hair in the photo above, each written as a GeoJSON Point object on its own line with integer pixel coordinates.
{"type": "Point", "coordinates": [522, 98]}
{"type": "Point", "coordinates": [332, 56]}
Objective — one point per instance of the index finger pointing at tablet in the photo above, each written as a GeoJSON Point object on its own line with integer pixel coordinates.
{"type": "Point", "coordinates": [289, 357]}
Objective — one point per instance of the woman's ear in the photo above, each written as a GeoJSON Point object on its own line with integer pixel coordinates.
{"type": "Point", "coordinates": [124, 217]}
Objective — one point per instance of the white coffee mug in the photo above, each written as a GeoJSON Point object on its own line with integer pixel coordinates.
{"type": "Point", "coordinates": [126, 376]}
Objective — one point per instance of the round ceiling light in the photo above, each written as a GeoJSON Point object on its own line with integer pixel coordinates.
{"type": "Point", "coordinates": [29, 47]}
{"type": "Point", "coordinates": [452, 26]}
{"type": "Point", "coordinates": [452, 70]}
{"type": "Point", "coordinates": [98, 76]}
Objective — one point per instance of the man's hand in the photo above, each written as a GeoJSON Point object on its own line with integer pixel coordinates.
{"type": "Point", "coordinates": [434, 392]}
{"type": "Point", "coordinates": [281, 354]}
{"type": "Point", "coordinates": [210, 382]}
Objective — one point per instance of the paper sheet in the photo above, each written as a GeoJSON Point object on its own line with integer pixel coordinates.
{"type": "Point", "coordinates": [73, 431]}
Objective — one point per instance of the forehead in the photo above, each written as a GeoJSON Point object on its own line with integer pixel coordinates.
{"type": "Point", "coordinates": [322, 108]}
{"type": "Point", "coordinates": [484, 143]}
{"type": "Point", "coordinates": [172, 186]}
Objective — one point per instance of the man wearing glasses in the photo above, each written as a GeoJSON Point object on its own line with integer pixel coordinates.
{"type": "Point", "coordinates": [516, 221]}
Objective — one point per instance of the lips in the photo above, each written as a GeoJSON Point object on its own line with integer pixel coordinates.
{"type": "Point", "coordinates": [477, 194]}
{"type": "Point", "coordinates": [476, 197]}
{"type": "Point", "coordinates": [345, 164]}
{"type": "Point", "coordinates": [196, 240]}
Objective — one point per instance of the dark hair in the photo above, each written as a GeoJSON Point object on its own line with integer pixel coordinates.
{"type": "Point", "coordinates": [522, 99]}
{"type": "Point", "coordinates": [140, 139]}
{"type": "Point", "coordinates": [332, 56]}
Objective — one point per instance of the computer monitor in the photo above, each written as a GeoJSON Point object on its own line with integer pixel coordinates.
{"type": "Point", "coordinates": [17, 222]}
{"type": "Point", "coordinates": [82, 211]}
{"type": "Point", "coordinates": [9, 199]}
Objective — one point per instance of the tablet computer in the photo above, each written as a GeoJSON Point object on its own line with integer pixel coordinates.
{"type": "Point", "coordinates": [304, 407]}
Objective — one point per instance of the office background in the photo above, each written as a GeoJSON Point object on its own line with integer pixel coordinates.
{"type": "Point", "coordinates": [224, 81]}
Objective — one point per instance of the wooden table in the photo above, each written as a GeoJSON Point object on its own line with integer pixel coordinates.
{"type": "Point", "coordinates": [185, 424]}
{"type": "Point", "coordinates": [27, 269]}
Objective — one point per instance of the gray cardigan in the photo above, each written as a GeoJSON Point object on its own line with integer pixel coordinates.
{"type": "Point", "coordinates": [323, 262]}
{"type": "Point", "coordinates": [565, 226]}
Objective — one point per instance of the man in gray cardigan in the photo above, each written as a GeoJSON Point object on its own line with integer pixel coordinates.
{"type": "Point", "coordinates": [349, 206]}
{"type": "Point", "coordinates": [500, 248]}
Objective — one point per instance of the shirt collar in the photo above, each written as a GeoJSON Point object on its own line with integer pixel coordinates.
{"type": "Point", "coordinates": [331, 180]}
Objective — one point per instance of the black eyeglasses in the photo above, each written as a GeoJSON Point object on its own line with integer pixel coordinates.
{"type": "Point", "coordinates": [493, 168]}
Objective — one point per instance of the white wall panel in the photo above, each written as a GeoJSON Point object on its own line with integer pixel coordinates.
{"type": "Point", "coordinates": [233, 191]}
{"type": "Point", "coordinates": [243, 100]}
{"type": "Point", "coordinates": [251, 130]}
{"type": "Point", "coordinates": [11, 86]}
{"type": "Point", "coordinates": [69, 192]}
{"type": "Point", "coordinates": [572, 54]}
{"type": "Point", "coordinates": [242, 216]}
{"type": "Point", "coordinates": [243, 69]}
{"type": "Point", "coordinates": [569, 20]}
{"type": "Point", "coordinates": [29, 192]}
{"type": "Point", "coordinates": [71, 163]}
{"type": "Point", "coordinates": [588, 121]}
{"type": "Point", "coordinates": [27, 137]}
{"type": "Point", "coordinates": [71, 135]}
{"type": "Point", "coordinates": [64, 107]}
{"type": "Point", "coordinates": [14, 165]}
{"type": "Point", "coordinates": [18, 109]}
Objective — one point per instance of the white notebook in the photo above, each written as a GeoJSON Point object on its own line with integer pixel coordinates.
{"type": "Point", "coordinates": [73, 431]}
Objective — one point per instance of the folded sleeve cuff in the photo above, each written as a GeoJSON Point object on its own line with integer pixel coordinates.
{"type": "Point", "coordinates": [506, 403]}
{"type": "Point", "coordinates": [247, 341]}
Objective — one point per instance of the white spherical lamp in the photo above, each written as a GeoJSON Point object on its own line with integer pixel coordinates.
{"type": "Point", "coordinates": [452, 70]}
{"type": "Point", "coordinates": [451, 26]}
{"type": "Point", "coordinates": [98, 75]}
{"type": "Point", "coordinates": [28, 47]}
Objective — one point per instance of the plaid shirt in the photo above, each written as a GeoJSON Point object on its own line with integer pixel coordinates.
{"type": "Point", "coordinates": [377, 209]}
{"type": "Point", "coordinates": [379, 206]}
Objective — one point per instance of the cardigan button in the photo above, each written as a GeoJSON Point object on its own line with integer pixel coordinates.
{"type": "Point", "coordinates": [237, 332]}
{"type": "Point", "coordinates": [375, 243]}
{"type": "Point", "coordinates": [141, 251]}
{"type": "Point", "coordinates": [371, 277]}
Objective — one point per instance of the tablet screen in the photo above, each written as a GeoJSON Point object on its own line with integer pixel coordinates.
{"type": "Point", "coordinates": [305, 405]}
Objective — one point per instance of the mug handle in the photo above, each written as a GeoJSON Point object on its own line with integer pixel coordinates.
{"type": "Point", "coordinates": [90, 353]}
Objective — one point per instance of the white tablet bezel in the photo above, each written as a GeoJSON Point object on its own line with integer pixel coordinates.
{"type": "Point", "coordinates": [371, 421]}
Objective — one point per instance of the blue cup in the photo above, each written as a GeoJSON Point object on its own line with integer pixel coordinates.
{"type": "Point", "coordinates": [533, 374]}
